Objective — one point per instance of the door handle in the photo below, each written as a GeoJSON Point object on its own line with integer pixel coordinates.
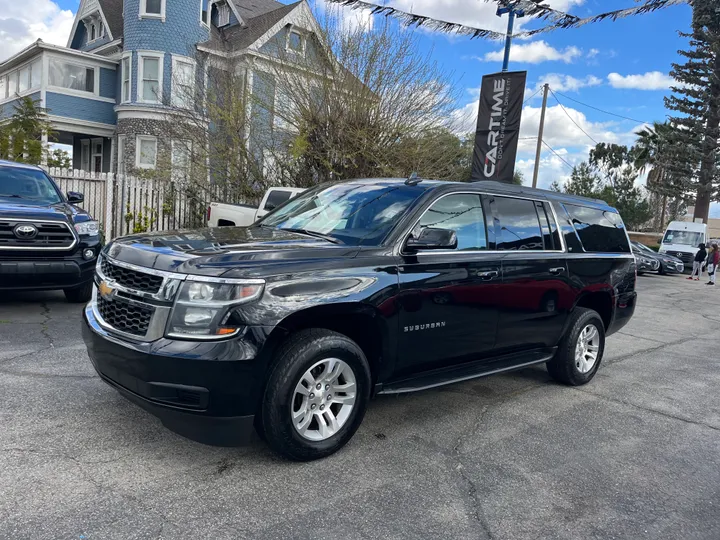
{"type": "Point", "coordinates": [557, 270]}
{"type": "Point", "coordinates": [489, 275]}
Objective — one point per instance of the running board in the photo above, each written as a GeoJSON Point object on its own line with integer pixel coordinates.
{"type": "Point", "coordinates": [467, 371]}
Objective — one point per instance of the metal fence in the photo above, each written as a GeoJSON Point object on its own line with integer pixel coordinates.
{"type": "Point", "coordinates": [125, 204]}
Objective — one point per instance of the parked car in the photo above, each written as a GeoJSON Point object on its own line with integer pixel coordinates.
{"type": "Point", "coordinates": [46, 241]}
{"type": "Point", "coordinates": [351, 290]}
{"type": "Point", "coordinates": [681, 240]}
{"type": "Point", "coordinates": [651, 261]}
{"type": "Point", "coordinates": [244, 215]}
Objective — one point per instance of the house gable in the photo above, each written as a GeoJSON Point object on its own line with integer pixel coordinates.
{"type": "Point", "coordinates": [91, 19]}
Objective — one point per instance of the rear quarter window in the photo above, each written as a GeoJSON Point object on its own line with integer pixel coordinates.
{"type": "Point", "coordinates": [600, 231]}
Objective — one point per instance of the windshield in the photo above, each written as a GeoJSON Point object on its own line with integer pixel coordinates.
{"type": "Point", "coordinates": [28, 186]}
{"type": "Point", "coordinates": [642, 247]}
{"type": "Point", "coordinates": [354, 214]}
{"type": "Point", "coordinates": [684, 238]}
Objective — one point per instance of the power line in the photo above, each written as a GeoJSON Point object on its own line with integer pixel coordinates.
{"type": "Point", "coordinates": [604, 111]}
{"type": "Point", "coordinates": [571, 118]}
{"type": "Point", "coordinates": [532, 96]}
{"type": "Point", "coordinates": [558, 156]}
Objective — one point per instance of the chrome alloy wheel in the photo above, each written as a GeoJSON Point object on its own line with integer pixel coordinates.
{"type": "Point", "coordinates": [587, 349]}
{"type": "Point", "coordinates": [323, 399]}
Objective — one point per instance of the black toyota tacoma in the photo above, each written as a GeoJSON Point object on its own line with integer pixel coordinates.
{"type": "Point", "coordinates": [46, 242]}
{"type": "Point", "coordinates": [351, 290]}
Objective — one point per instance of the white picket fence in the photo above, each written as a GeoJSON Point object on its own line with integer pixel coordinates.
{"type": "Point", "coordinates": [125, 204]}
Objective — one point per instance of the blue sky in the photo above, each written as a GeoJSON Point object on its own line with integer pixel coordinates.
{"type": "Point", "coordinates": [620, 66]}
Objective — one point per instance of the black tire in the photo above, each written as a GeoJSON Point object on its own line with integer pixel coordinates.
{"type": "Point", "coordinates": [298, 354]}
{"type": "Point", "coordinates": [661, 270]}
{"type": "Point", "coordinates": [563, 366]}
{"type": "Point", "coordinates": [79, 295]}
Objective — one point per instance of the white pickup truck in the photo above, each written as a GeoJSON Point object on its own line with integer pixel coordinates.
{"type": "Point", "coordinates": [244, 215]}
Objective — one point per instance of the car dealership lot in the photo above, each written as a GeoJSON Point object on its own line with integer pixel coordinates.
{"type": "Point", "coordinates": [632, 455]}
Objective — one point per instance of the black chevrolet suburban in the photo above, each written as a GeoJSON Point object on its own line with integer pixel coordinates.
{"type": "Point", "coordinates": [351, 290]}
{"type": "Point", "coordinates": [46, 242]}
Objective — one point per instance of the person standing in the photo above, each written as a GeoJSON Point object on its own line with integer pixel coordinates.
{"type": "Point", "coordinates": [700, 257]}
{"type": "Point", "coordinates": [713, 261]}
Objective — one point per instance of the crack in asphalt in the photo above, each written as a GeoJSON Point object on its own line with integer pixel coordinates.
{"type": "Point", "coordinates": [44, 329]}
{"type": "Point", "coordinates": [648, 409]}
{"type": "Point", "coordinates": [650, 350]}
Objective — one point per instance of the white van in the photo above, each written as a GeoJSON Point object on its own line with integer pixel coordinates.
{"type": "Point", "coordinates": [682, 238]}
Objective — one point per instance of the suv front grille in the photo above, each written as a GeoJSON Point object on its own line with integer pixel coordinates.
{"type": "Point", "coordinates": [684, 257]}
{"type": "Point", "coordinates": [132, 279]}
{"type": "Point", "coordinates": [125, 316]}
{"type": "Point", "coordinates": [49, 236]}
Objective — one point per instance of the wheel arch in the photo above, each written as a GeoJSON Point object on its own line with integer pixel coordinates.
{"type": "Point", "coordinates": [600, 301]}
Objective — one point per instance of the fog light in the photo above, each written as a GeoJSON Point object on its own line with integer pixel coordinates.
{"type": "Point", "coordinates": [88, 254]}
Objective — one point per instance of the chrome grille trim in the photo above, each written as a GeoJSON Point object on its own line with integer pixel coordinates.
{"type": "Point", "coordinates": [70, 229]}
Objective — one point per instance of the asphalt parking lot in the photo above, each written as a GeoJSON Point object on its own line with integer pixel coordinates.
{"type": "Point", "coordinates": [635, 454]}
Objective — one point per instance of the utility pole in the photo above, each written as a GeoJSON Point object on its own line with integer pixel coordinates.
{"type": "Point", "coordinates": [512, 13]}
{"type": "Point", "coordinates": [546, 86]}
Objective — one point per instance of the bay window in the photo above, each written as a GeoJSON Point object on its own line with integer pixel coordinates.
{"type": "Point", "coordinates": [126, 78]}
{"type": "Point", "coordinates": [150, 77]}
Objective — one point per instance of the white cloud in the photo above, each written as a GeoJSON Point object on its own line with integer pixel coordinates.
{"type": "Point", "coordinates": [567, 83]}
{"type": "Point", "coordinates": [478, 14]}
{"type": "Point", "coordinates": [22, 23]}
{"type": "Point", "coordinates": [652, 80]}
{"type": "Point", "coordinates": [534, 52]}
{"type": "Point", "coordinates": [350, 20]}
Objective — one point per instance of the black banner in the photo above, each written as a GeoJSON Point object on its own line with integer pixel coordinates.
{"type": "Point", "coordinates": [498, 127]}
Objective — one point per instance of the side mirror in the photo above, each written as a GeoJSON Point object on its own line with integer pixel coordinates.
{"type": "Point", "coordinates": [74, 197]}
{"type": "Point", "coordinates": [430, 238]}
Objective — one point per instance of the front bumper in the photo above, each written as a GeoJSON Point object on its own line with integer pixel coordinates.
{"type": "Point", "coordinates": [673, 267]}
{"type": "Point", "coordinates": [47, 271]}
{"type": "Point", "coordinates": [206, 391]}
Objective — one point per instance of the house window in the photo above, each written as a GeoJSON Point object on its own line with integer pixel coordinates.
{"type": "Point", "coordinates": [180, 158]}
{"type": "Point", "coordinates": [204, 11]}
{"type": "Point", "coordinates": [71, 76]}
{"type": "Point", "coordinates": [126, 78]}
{"type": "Point", "coordinates": [146, 152]}
{"type": "Point", "coordinates": [101, 30]}
{"type": "Point", "coordinates": [152, 9]}
{"type": "Point", "coordinates": [3, 87]}
{"type": "Point", "coordinates": [296, 42]}
{"type": "Point", "coordinates": [85, 155]}
{"type": "Point", "coordinates": [92, 32]}
{"type": "Point", "coordinates": [183, 87]}
{"type": "Point", "coordinates": [12, 84]}
{"type": "Point", "coordinates": [223, 14]}
{"type": "Point", "coordinates": [97, 155]}
{"type": "Point", "coordinates": [151, 78]}
{"type": "Point", "coordinates": [23, 79]}
{"type": "Point", "coordinates": [35, 74]}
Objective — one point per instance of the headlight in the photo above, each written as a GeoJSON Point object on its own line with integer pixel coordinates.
{"type": "Point", "coordinates": [204, 309]}
{"type": "Point", "coordinates": [87, 228]}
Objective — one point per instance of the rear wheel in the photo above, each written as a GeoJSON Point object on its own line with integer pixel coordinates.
{"type": "Point", "coordinates": [581, 349]}
{"type": "Point", "coordinates": [316, 395]}
{"type": "Point", "coordinates": [80, 294]}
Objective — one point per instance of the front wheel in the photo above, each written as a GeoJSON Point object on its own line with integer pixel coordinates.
{"type": "Point", "coordinates": [316, 395]}
{"type": "Point", "coordinates": [581, 349]}
{"type": "Point", "coordinates": [79, 295]}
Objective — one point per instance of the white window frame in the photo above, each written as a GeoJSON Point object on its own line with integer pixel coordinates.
{"type": "Point", "coordinates": [121, 154]}
{"type": "Point", "coordinates": [71, 91]}
{"type": "Point", "coordinates": [303, 41]}
{"type": "Point", "coordinates": [176, 101]}
{"type": "Point", "coordinates": [179, 174]}
{"type": "Point", "coordinates": [128, 98]}
{"type": "Point", "coordinates": [85, 155]}
{"type": "Point", "coordinates": [94, 154]}
{"type": "Point", "coordinates": [140, 82]}
{"type": "Point", "coordinates": [206, 22]}
{"type": "Point", "coordinates": [145, 15]}
{"type": "Point", "coordinates": [138, 140]}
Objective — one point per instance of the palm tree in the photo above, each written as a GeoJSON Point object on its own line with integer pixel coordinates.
{"type": "Point", "coordinates": [648, 154]}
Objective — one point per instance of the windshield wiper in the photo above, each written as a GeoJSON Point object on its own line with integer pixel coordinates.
{"type": "Point", "coordinates": [314, 234]}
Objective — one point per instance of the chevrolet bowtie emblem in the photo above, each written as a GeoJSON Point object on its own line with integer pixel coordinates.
{"type": "Point", "coordinates": [106, 291]}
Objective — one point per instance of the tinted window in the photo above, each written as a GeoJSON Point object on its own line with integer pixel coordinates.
{"type": "Point", "coordinates": [354, 213]}
{"type": "Point", "coordinates": [684, 238]}
{"type": "Point", "coordinates": [516, 224]}
{"type": "Point", "coordinates": [461, 213]}
{"type": "Point", "coordinates": [276, 198]}
{"type": "Point", "coordinates": [599, 230]}
{"type": "Point", "coordinates": [29, 186]}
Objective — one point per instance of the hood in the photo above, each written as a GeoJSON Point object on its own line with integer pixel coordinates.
{"type": "Point", "coordinates": [226, 251]}
{"type": "Point", "coordinates": [56, 212]}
